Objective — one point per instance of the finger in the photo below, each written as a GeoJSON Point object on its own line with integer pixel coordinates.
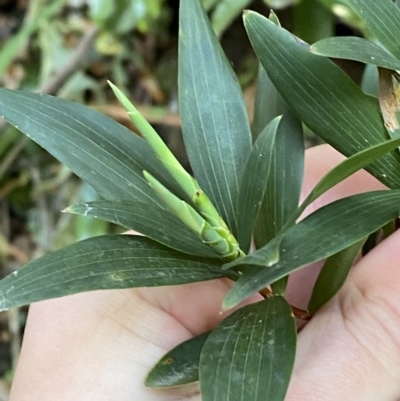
{"type": "Point", "coordinates": [95, 346]}
{"type": "Point", "coordinates": [351, 348]}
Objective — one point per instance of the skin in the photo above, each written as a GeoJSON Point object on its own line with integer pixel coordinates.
{"type": "Point", "coordinates": [100, 345]}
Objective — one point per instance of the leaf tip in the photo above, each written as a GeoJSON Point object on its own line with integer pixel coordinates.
{"type": "Point", "coordinates": [228, 303]}
{"type": "Point", "coordinates": [248, 14]}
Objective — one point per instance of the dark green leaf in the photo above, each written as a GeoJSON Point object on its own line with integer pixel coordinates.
{"type": "Point", "coordinates": [214, 121]}
{"type": "Point", "coordinates": [102, 152]}
{"type": "Point", "coordinates": [333, 275]}
{"type": "Point", "coordinates": [286, 173]}
{"type": "Point", "coordinates": [346, 169]}
{"type": "Point", "coordinates": [382, 18]}
{"type": "Point", "coordinates": [179, 366]}
{"type": "Point", "coordinates": [250, 355]}
{"type": "Point", "coordinates": [313, 21]}
{"type": "Point", "coordinates": [325, 98]}
{"type": "Point", "coordinates": [320, 235]}
{"type": "Point", "coordinates": [370, 80]}
{"type": "Point", "coordinates": [149, 220]}
{"type": "Point", "coordinates": [253, 182]}
{"type": "Point", "coordinates": [104, 262]}
{"type": "Point", "coordinates": [354, 48]}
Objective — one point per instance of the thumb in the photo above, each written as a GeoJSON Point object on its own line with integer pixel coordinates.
{"type": "Point", "coordinates": [351, 348]}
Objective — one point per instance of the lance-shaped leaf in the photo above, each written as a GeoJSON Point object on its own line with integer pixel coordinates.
{"type": "Point", "coordinates": [382, 18]}
{"type": "Point", "coordinates": [149, 220]}
{"type": "Point", "coordinates": [333, 275]}
{"type": "Point", "coordinates": [320, 235]}
{"type": "Point", "coordinates": [358, 49]}
{"type": "Point", "coordinates": [344, 170]}
{"type": "Point", "coordinates": [370, 78]}
{"type": "Point", "coordinates": [179, 366]}
{"type": "Point", "coordinates": [250, 355]}
{"type": "Point", "coordinates": [104, 262]}
{"type": "Point", "coordinates": [322, 95]}
{"type": "Point", "coordinates": [102, 152]}
{"type": "Point", "coordinates": [253, 183]}
{"type": "Point", "coordinates": [286, 172]}
{"type": "Point", "coordinates": [313, 20]}
{"type": "Point", "coordinates": [214, 121]}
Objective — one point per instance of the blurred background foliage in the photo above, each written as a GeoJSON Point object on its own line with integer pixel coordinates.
{"type": "Point", "coordinates": [69, 48]}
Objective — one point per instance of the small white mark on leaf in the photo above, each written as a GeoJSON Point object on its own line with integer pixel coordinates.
{"type": "Point", "coordinates": [3, 303]}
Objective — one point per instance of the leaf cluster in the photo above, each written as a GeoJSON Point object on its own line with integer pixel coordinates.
{"type": "Point", "coordinates": [246, 189]}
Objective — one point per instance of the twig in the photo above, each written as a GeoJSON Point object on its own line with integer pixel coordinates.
{"type": "Point", "coordinates": [12, 154]}
{"type": "Point", "coordinates": [15, 335]}
{"type": "Point", "coordinates": [77, 60]}
{"type": "Point", "coordinates": [297, 312]}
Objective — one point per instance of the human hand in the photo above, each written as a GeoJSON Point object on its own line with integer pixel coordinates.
{"type": "Point", "coordinates": [100, 345]}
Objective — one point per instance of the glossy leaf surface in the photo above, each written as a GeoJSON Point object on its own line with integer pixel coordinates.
{"type": "Point", "coordinates": [214, 120]}
{"type": "Point", "coordinates": [102, 152]}
{"type": "Point", "coordinates": [333, 275]}
{"type": "Point", "coordinates": [382, 18]}
{"type": "Point", "coordinates": [254, 181]}
{"type": "Point", "coordinates": [320, 235]}
{"type": "Point", "coordinates": [354, 48]}
{"type": "Point", "coordinates": [149, 220]}
{"type": "Point", "coordinates": [250, 355]}
{"type": "Point", "coordinates": [325, 98]}
{"type": "Point", "coordinates": [104, 262]}
{"type": "Point", "coordinates": [179, 366]}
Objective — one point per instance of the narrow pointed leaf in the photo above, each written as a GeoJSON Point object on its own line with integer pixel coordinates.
{"type": "Point", "coordinates": [250, 355]}
{"type": "Point", "coordinates": [313, 21]}
{"type": "Point", "coordinates": [382, 18]}
{"type": "Point", "coordinates": [354, 48]}
{"type": "Point", "coordinates": [286, 172]}
{"type": "Point", "coordinates": [179, 366]}
{"type": "Point", "coordinates": [149, 220]}
{"type": "Point", "coordinates": [253, 183]}
{"type": "Point", "coordinates": [104, 262]}
{"type": "Point", "coordinates": [322, 95]}
{"type": "Point", "coordinates": [320, 235]}
{"type": "Point", "coordinates": [346, 169]}
{"type": "Point", "coordinates": [102, 152]}
{"type": "Point", "coordinates": [333, 275]}
{"type": "Point", "coordinates": [169, 162]}
{"type": "Point", "coordinates": [370, 78]}
{"type": "Point", "coordinates": [214, 121]}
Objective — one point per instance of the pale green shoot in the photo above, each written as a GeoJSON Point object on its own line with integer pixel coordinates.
{"type": "Point", "coordinates": [189, 185]}
{"type": "Point", "coordinates": [185, 180]}
{"type": "Point", "coordinates": [224, 245]}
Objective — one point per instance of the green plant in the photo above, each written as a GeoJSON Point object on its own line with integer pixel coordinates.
{"type": "Point", "coordinates": [201, 229]}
